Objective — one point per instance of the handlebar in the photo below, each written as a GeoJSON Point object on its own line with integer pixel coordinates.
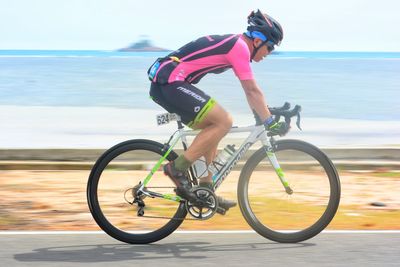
{"type": "Point", "coordinates": [283, 111]}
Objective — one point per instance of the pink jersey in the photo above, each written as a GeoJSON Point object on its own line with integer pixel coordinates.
{"type": "Point", "coordinates": [208, 54]}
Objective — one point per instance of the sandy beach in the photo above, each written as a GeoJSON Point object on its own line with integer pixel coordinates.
{"type": "Point", "coordinates": [56, 200]}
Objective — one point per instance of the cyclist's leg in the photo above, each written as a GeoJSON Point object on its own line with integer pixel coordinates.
{"type": "Point", "coordinates": [215, 125]}
{"type": "Point", "coordinates": [197, 110]}
{"type": "Point", "coordinates": [210, 154]}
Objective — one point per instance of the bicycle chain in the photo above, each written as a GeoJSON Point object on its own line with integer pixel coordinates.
{"type": "Point", "coordinates": [169, 218]}
{"type": "Point", "coordinates": [162, 217]}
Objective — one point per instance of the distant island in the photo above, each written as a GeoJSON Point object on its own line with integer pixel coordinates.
{"type": "Point", "coordinates": [144, 45]}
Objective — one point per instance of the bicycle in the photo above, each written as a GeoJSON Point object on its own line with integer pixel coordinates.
{"type": "Point", "coordinates": [307, 181]}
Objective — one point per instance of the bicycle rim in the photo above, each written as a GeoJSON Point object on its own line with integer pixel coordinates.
{"type": "Point", "coordinates": [285, 217]}
{"type": "Point", "coordinates": [112, 186]}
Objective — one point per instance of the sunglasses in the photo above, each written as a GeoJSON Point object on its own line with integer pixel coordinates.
{"type": "Point", "coordinates": [270, 46]}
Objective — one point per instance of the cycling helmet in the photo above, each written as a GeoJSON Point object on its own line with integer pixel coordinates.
{"type": "Point", "coordinates": [264, 27]}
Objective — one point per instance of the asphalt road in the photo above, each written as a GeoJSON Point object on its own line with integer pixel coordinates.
{"type": "Point", "coordinates": [195, 249]}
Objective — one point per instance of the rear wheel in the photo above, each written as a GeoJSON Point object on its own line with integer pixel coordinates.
{"type": "Point", "coordinates": [112, 184]}
{"type": "Point", "coordinates": [284, 217]}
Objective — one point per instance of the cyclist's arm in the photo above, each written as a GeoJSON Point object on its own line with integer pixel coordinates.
{"type": "Point", "coordinates": [255, 98]}
{"type": "Point", "coordinates": [239, 58]}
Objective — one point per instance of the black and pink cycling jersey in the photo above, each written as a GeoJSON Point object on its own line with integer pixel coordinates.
{"type": "Point", "coordinates": [208, 54]}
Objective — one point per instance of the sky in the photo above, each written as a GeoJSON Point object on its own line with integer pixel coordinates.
{"type": "Point", "coordinates": [309, 25]}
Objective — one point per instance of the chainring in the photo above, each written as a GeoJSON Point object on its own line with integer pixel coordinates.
{"type": "Point", "coordinates": [205, 206]}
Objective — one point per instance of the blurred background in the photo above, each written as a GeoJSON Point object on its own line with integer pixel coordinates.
{"type": "Point", "coordinates": [73, 83]}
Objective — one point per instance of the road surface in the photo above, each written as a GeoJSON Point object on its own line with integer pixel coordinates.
{"type": "Point", "coordinates": [246, 248]}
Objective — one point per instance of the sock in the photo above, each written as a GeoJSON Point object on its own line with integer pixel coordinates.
{"type": "Point", "coordinates": [182, 164]}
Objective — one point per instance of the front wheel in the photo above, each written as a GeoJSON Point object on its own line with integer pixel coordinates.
{"type": "Point", "coordinates": [112, 186]}
{"type": "Point", "coordinates": [283, 217]}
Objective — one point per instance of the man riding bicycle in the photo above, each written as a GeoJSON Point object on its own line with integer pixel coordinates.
{"type": "Point", "coordinates": [172, 88]}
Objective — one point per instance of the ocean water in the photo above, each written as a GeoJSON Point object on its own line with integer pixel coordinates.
{"type": "Point", "coordinates": [336, 90]}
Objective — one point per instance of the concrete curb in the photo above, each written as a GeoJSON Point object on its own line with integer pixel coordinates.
{"type": "Point", "coordinates": [84, 159]}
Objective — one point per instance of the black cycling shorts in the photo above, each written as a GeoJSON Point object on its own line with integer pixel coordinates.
{"type": "Point", "coordinates": [184, 99]}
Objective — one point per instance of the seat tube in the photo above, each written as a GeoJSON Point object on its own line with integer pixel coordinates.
{"type": "Point", "coordinates": [184, 140]}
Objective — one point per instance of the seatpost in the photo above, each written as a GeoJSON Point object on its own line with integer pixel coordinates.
{"type": "Point", "coordinates": [180, 125]}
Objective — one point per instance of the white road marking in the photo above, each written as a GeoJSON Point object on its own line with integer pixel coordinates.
{"type": "Point", "coordinates": [192, 232]}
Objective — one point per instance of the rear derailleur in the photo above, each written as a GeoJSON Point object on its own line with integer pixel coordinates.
{"type": "Point", "coordinates": [138, 197]}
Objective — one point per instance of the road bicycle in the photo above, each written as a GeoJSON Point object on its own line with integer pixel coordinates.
{"type": "Point", "coordinates": [288, 190]}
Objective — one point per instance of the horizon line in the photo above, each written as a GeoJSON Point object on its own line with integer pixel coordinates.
{"type": "Point", "coordinates": [168, 50]}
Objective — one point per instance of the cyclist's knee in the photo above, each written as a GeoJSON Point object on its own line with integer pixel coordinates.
{"type": "Point", "coordinates": [227, 122]}
{"type": "Point", "coordinates": [222, 119]}
{"type": "Point", "coordinates": [217, 117]}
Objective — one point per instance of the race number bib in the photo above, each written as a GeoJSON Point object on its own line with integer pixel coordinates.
{"type": "Point", "coordinates": [167, 118]}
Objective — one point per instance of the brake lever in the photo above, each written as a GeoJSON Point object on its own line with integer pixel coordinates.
{"type": "Point", "coordinates": [287, 120]}
{"type": "Point", "coordinates": [287, 114]}
{"type": "Point", "coordinates": [298, 121]}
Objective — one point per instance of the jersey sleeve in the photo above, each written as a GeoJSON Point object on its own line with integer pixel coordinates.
{"type": "Point", "coordinates": [239, 58]}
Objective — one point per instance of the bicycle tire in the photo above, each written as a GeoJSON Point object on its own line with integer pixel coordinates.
{"type": "Point", "coordinates": [282, 236]}
{"type": "Point", "coordinates": [93, 201]}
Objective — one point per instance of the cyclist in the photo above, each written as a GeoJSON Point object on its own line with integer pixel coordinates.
{"type": "Point", "coordinates": [172, 88]}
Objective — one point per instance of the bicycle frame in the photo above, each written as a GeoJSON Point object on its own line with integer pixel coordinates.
{"type": "Point", "coordinates": [257, 133]}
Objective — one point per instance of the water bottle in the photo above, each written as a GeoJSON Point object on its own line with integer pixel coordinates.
{"type": "Point", "coordinates": [220, 160]}
{"type": "Point", "coordinates": [200, 168]}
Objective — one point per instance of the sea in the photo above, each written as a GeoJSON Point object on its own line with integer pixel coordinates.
{"type": "Point", "coordinates": [95, 99]}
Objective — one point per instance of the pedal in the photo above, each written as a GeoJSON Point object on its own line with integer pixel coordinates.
{"type": "Point", "coordinates": [221, 211]}
{"type": "Point", "coordinates": [181, 194]}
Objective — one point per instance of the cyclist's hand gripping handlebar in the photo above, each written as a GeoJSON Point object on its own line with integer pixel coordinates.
{"type": "Point", "coordinates": [283, 111]}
